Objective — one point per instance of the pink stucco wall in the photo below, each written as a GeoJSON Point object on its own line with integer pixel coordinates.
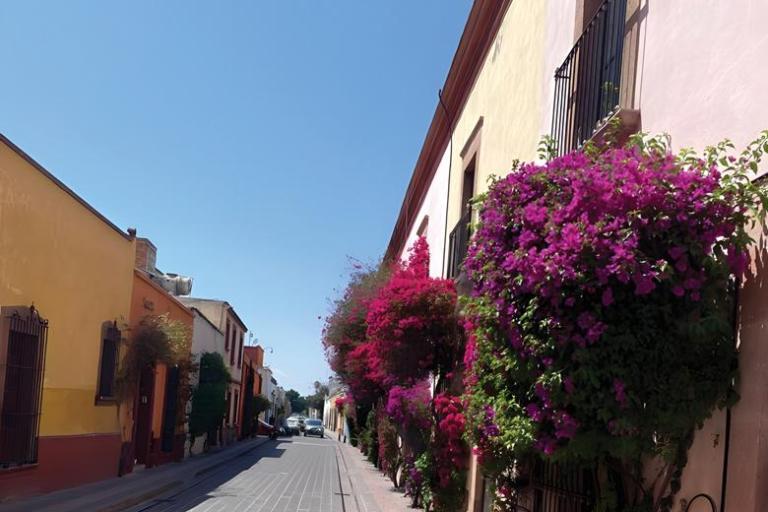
{"type": "Point", "coordinates": [702, 73]}
{"type": "Point", "coordinates": [701, 78]}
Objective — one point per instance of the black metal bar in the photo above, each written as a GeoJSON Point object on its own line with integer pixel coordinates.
{"type": "Point", "coordinates": [22, 389]}
{"type": "Point", "coordinates": [458, 243]}
{"type": "Point", "coordinates": [561, 488]}
{"type": "Point", "coordinates": [587, 83]}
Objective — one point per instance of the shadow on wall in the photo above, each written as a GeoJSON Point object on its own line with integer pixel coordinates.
{"type": "Point", "coordinates": [748, 451]}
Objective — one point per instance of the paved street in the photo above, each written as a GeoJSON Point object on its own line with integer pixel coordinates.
{"type": "Point", "coordinates": [291, 474]}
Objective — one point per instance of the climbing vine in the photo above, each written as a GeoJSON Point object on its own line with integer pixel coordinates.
{"type": "Point", "coordinates": [156, 339]}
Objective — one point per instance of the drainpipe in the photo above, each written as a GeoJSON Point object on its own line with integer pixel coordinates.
{"type": "Point", "coordinates": [726, 449]}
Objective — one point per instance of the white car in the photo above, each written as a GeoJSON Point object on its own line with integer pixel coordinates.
{"type": "Point", "coordinates": [314, 428]}
{"type": "Point", "coordinates": [293, 425]}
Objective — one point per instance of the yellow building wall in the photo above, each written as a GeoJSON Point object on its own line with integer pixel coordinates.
{"type": "Point", "coordinates": [508, 96]}
{"type": "Point", "coordinates": [78, 271]}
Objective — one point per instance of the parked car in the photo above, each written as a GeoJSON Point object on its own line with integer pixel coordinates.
{"type": "Point", "coordinates": [314, 428]}
{"type": "Point", "coordinates": [292, 424]}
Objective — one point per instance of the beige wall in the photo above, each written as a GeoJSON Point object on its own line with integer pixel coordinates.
{"type": "Point", "coordinates": [219, 313]}
{"type": "Point", "coordinates": [508, 95]}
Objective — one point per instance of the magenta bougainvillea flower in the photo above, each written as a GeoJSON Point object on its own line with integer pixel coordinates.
{"type": "Point", "coordinates": [600, 301]}
{"type": "Point", "coordinates": [412, 324]}
{"type": "Point", "coordinates": [409, 407]}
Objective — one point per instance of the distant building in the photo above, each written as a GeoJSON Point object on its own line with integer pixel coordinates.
{"type": "Point", "coordinates": [152, 419]}
{"type": "Point", "coordinates": [334, 417]}
{"type": "Point", "coordinates": [253, 361]}
{"type": "Point", "coordinates": [206, 338]}
{"type": "Point", "coordinates": [222, 315]}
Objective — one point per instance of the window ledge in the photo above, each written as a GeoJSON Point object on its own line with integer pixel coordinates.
{"type": "Point", "coordinates": [105, 401]}
{"type": "Point", "coordinates": [629, 124]}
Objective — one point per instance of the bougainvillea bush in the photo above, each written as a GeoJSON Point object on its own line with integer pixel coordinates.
{"type": "Point", "coordinates": [410, 407]}
{"type": "Point", "coordinates": [412, 326]}
{"type": "Point", "coordinates": [391, 332]}
{"type": "Point", "coordinates": [450, 454]}
{"type": "Point", "coordinates": [600, 322]}
{"type": "Point", "coordinates": [344, 334]}
{"type": "Point", "coordinates": [390, 457]}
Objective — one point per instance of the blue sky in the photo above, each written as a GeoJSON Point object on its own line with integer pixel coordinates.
{"type": "Point", "coordinates": [257, 144]}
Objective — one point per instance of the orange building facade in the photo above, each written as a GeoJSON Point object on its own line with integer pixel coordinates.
{"type": "Point", "coordinates": [253, 359]}
{"type": "Point", "coordinates": [151, 433]}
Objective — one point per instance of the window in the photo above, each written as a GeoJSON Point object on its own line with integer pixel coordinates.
{"type": "Point", "coordinates": [587, 83]}
{"type": "Point", "coordinates": [234, 347]}
{"type": "Point", "coordinates": [170, 405]}
{"type": "Point", "coordinates": [468, 186]}
{"type": "Point", "coordinates": [234, 411]}
{"type": "Point", "coordinates": [458, 239]}
{"type": "Point", "coordinates": [23, 335]}
{"type": "Point", "coordinates": [110, 351]}
{"type": "Point", "coordinates": [422, 231]}
{"type": "Point", "coordinates": [240, 350]}
{"type": "Point", "coordinates": [226, 337]}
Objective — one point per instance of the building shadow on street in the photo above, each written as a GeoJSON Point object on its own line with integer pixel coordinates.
{"type": "Point", "coordinates": [205, 487]}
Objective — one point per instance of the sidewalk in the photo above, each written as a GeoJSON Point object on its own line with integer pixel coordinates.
{"type": "Point", "coordinates": [372, 491]}
{"type": "Point", "coordinates": [120, 493]}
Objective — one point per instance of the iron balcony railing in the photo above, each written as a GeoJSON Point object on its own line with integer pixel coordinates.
{"type": "Point", "coordinates": [587, 83]}
{"type": "Point", "coordinates": [458, 242]}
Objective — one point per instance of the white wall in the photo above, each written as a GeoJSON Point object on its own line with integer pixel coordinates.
{"type": "Point", "coordinates": [559, 40]}
{"type": "Point", "coordinates": [434, 206]}
{"type": "Point", "coordinates": [205, 337]}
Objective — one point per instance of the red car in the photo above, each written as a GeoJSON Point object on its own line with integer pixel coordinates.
{"type": "Point", "coordinates": [265, 429]}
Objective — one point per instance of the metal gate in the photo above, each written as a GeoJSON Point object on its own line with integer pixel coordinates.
{"type": "Point", "coordinates": [23, 368]}
{"type": "Point", "coordinates": [558, 488]}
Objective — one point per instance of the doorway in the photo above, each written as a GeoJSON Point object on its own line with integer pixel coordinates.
{"type": "Point", "coordinates": [144, 414]}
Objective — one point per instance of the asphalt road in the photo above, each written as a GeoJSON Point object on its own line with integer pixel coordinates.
{"type": "Point", "coordinates": [298, 474]}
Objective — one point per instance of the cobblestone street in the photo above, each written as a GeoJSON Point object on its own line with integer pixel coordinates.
{"type": "Point", "coordinates": [291, 474]}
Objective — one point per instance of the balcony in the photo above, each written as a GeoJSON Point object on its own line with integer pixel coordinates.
{"type": "Point", "coordinates": [587, 84]}
{"type": "Point", "coordinates": [458, 242]}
